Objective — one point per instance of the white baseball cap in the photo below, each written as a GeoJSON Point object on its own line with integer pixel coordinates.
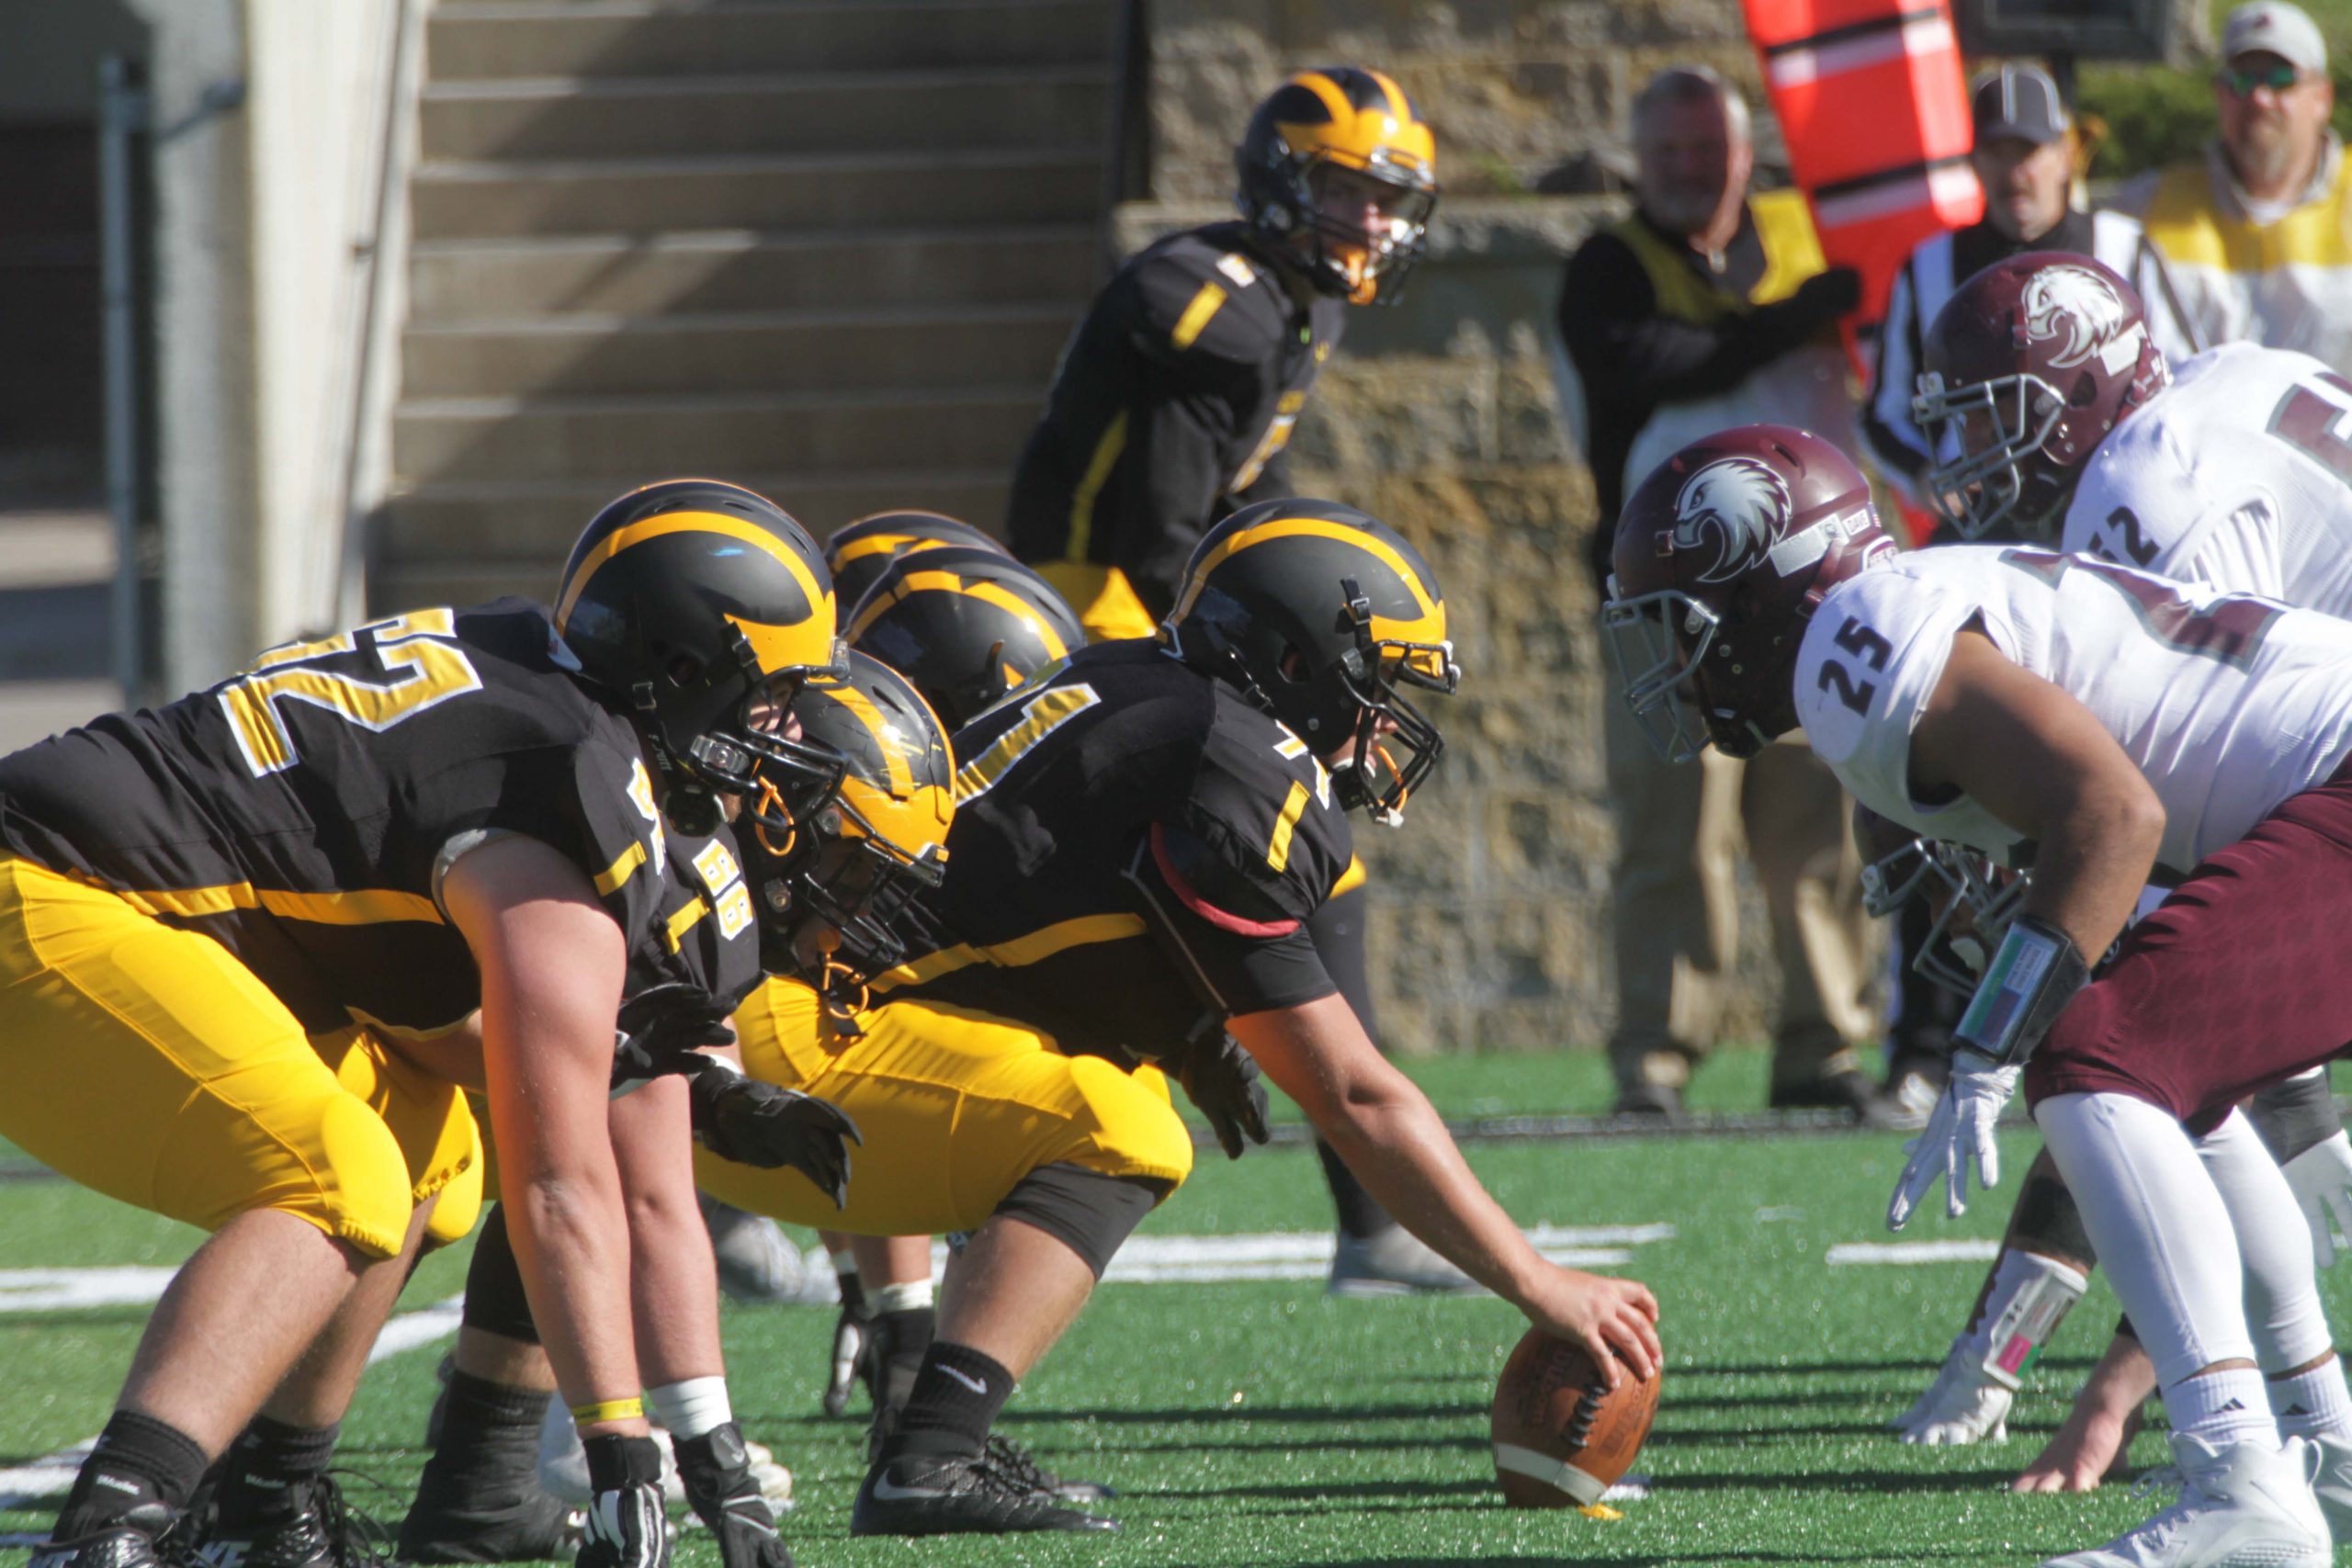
{"type": "Point", "coordinates": [2275, 26]}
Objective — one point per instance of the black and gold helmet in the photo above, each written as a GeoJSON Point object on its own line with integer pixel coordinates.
{"type": "Point", "coordinates": [1307, 139]}
{"type": "Point", "coordinates": [688, 603]}
{"type": "Point", "coordinates": [858, 552]}
{"type": "Point", "coordinates": [1318, 613]}
{"type": "Point", "coordinates": [850, 824]}
{"type": "Point", "coordinates": [964, 625]}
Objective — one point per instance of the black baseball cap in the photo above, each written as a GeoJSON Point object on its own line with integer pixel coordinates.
{"type": "Point", "coordinates": [2019, 101]}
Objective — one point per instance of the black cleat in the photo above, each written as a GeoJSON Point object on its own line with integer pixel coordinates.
{"type": "Point", "coordinates": [307, 1527]}
{"type": "Point", "coordinates": [1021, 1465]}
{"type": "Point", "coordinates": [953, 1495]}
{"type": "Point", "coordinates": [478, 1518]}
{"type": "Point", "coordinates": [121, 1547]}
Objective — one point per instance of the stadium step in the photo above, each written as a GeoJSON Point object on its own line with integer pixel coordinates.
{"type": "Point", "coordinates": [453, 281]}
{"type": "Point", "coordinates": [827, 247]}
{"type": "Point", "coordinates": [474, 39]}
{"type": "Point", "coordinates": [634, 439]}
{"type": "Point", "coordinates": [848, 112]}
{"type": "Point", "coordinates": [534, 521]}
{"type": "Point", "coordinates": [714, 352]}
{"type": "Point", "coordinates": [451, 200]}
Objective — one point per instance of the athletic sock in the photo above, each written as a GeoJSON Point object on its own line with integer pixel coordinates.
{"type": "Point", "coordinates": [490, 1426]}
{"type": "Point", "coordinates": [2314, 1404]}
{"type": "Point", "coordinates": [899, 1338]}
{"type": "Point", "coordinates": [268, 1466]}
{"type": "Point", "coordinates": [2225, 1408]}
{"type": "Point", "coordinates": [140, 1473]}
{"type": "Point", "coordinates": [845, 1275]}
{"type": "Point", "coordinates": [956, 1397]}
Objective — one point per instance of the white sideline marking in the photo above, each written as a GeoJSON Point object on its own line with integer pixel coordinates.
{"type": "Point", "coordinates": [53, 1474]}
{"type": "Point", "coordinates": [1914, 1252]}
{"type": "Point", "coordinates": [47, 1290]}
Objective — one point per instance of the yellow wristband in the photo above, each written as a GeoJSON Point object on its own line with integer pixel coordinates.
{"type": "Point", "coordinates": [597, 1410]}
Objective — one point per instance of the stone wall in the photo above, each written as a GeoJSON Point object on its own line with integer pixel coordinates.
{"type": "Point", "coordinates": [1490, 923]}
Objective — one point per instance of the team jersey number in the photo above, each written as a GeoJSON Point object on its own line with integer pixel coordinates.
{"type": "Point", "coordinates": [1868, 648]}
{"type": "Point", "coordinates": [1040, 715]}
{"type": "Point", "coordinates": [415, 655]}
{"type": "Point", "coordinates": [2229, 627]}
{"type": "Point", "coordinates": [2313, 422]}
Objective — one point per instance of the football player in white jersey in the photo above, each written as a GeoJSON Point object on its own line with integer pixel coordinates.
{"type": "Point", "coordinates": [2104, 724]}
{"type": "Point", "coordinates": [2233, 471]}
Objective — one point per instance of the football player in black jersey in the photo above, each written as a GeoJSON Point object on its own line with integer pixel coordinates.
{"type": "Point", "coordinates": [244, 933]}
{"type": "Point", "coordinates": [1174, 404]}
{"type": "Point", "coordinates": [1140, 837]}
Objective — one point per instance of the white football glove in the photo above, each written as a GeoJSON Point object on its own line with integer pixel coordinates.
{"type": "Point", "coordinates": [2322, 1177]}
{"type": "Point", "coordinates": [1963, 1405]}
{"type": "Point", "coordinates": [1959, 1129]}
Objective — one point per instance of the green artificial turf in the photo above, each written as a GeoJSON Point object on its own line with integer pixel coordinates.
{"type": "Point", "coordinates": [1263, 1423]}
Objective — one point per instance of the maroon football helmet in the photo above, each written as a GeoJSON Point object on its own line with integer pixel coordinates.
{"type": "Point", "coordinates": [2026, 368]}
{"type": "Point", "coordinates": [1721, 557]}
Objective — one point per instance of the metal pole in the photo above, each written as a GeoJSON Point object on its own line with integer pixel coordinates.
{"type": "Point", "coordinates": [122, 115]}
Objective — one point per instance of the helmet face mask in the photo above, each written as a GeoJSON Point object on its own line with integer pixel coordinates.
{"type": "Point", "coordinates": [1369, 777]}
{"type": "Point", "coordinates": [1659, 642]}
{"type": "Point", "coordinates": [1973, 902]}
{"type": "Point", "coordinates": [1322, 148]}
{"type": "Point", "coordinates": [1996, 431]}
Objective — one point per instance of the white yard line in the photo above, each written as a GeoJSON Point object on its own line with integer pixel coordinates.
{"type": "Point", "coordinates": [1869, 1252]}
{"type": "Point", "coordinates": [52, 1474]}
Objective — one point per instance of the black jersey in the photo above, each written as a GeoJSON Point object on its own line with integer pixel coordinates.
{"type": "Point", "coordinates": [1134, 854]}
{"type": "Point", "coordinates": [703, 930]}
{"type": "Point", "coordinates": [297, 813]}
{"type": "Point", "coordinates": [1171, 407]}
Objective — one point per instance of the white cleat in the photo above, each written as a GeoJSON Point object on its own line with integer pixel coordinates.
{"type": "Point", "coordinates": [1963, 1405]}
{"type": "Point", "coordinates": [2244, 1506]}
{"type": "Point", "coordinates": [2334, 1485]}
{"type": "Point", "coordinates": [1393, 1262]}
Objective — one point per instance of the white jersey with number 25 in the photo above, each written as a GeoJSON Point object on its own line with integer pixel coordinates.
{"type": "Point", "coordinates": [2229, 703]}
{"type": "Point", "coordinates": [2238, 475]}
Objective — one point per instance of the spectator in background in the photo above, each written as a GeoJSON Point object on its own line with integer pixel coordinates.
{"type": "Point", "coordinates": [2255, 232]}
{"type": "Point", "coordinates": [1705, 309]}
{"type": "Point", "coordinates": [2024, 157]}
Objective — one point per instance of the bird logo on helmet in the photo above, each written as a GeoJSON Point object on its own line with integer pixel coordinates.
{"type": "Point", "coordinates": [2025, 370]}
{"type": "Point", "coordinates": [696, 606]}
{"type": "Point", "coordinates": [1320, 614]}
{"type": "Point", "coordinates": [2076, 304]}
{"type": "Point", "coordinates": [1741, 504]}
{"type": "Point", "coordinates": [966, 626]}
{"type": "Point", "coordinates": [1721, 557]}
{"type": "Point", "coordinates": [848, 826]}
{"type": "Point", "coordinates": [859, 551]}
{"type": "Point", "coordinates": [1340, 117]}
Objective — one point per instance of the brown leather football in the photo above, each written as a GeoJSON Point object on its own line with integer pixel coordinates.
{"type": "Point", "coordinates": [1561, 1437]}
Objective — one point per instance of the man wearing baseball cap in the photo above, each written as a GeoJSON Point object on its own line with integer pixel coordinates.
{"type": "Point", "coordinates": [2024, 157]}
{"type": "Point", "coordinates": [2255, 231]}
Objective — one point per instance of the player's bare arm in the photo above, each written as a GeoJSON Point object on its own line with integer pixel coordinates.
{"type": "Point", "coordinates": [553, 963]}
{"type": "Point", "coordinates": [2035, 757]}
{"type": "Point", "coordinates": [1386, 1129]}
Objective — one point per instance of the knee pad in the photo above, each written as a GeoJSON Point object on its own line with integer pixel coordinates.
{"type": "Point", "coordinates": [1090, 1213]}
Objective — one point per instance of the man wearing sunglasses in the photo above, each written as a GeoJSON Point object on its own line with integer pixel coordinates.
{"type": "Point", "coordinates": [2253, 230]}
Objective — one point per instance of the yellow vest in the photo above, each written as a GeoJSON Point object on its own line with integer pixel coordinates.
{"type": "Point", "coordinates": [2283, 285]}
{"type": "Point", "coordinates": [1792, 254]}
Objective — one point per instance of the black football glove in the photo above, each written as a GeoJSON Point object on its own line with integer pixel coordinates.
{"type": "Point", "coordinates": [662, 1028]}
{"type": "Point", "coordinates": [627, 1525]}
{"type": "Point", "coordinates": [758, 1123]}
{"type": "Point", "coordinates": [1222, 1081]}
{"type": "Point", "coordinates": [852, 1345]}
{"type": "Point", "coordinates": [716, 1471]}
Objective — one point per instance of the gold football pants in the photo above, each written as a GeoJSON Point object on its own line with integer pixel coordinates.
{"type": "Point", "coordinates": [146, 1063]}
{"type": "Point", "coordinates": [955, 1106]}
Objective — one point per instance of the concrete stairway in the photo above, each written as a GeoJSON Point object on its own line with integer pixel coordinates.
{"type": "Point", "coordinates": [826, 248]}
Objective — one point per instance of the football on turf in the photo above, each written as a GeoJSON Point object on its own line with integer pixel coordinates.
{"type": "Point", "coordinates": [1561, 1437]}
